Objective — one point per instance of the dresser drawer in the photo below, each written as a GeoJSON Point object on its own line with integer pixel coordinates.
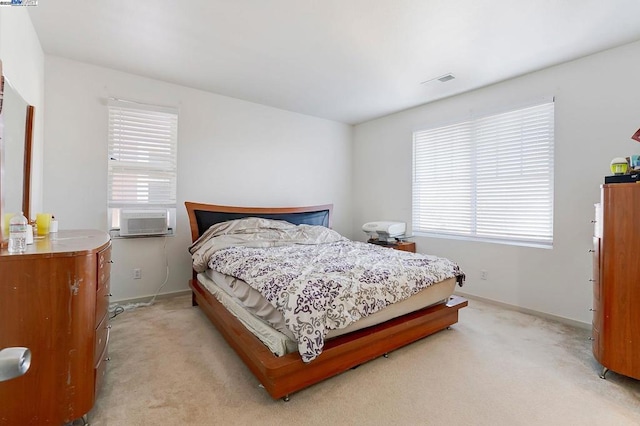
{"type": "Point", "coordinates": [102, 301]}
{"type": "Point", "coordinates": [104, 267]}
{"type": "Point", "coordinates": [595, 272]}
{"type": "Point", "coordinates": [596, 348]}
{"type": "Point", "coordinates": [598, 222]}
{"type": "Point", "coordinates": [101, 370]}
{"type": "Point", "coordinates": [101, 339]}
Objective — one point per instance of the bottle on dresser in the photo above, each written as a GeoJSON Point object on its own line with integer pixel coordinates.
{"type": "Point", "coordinates": [18, 233]}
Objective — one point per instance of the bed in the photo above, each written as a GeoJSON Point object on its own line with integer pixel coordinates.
{"type": "Point", "coordinates": [282, 372]}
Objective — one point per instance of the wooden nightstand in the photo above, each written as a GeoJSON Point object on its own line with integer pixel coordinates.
{"type": "Point", "coordinates": [400, 245]}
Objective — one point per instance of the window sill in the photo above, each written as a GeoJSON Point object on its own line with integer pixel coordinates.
{"type": "Point", "coordinates": [520, 243]}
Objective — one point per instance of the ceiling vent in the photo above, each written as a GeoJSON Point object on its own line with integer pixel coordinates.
{"type": "Point", "coordinates": [442, 79]}
{"type": "Point", "coordinates": [446, 78]}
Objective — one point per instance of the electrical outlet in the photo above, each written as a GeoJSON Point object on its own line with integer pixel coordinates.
{"type": "Point", "coordinates": [137, 273]}
{"type": "Point", "coordinates": [483, 275]}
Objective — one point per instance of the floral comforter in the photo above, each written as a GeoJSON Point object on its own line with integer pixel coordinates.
{"type": "Point", "coordinates": [316, 278]}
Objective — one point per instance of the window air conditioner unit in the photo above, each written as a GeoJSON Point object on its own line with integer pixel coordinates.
{"type": "Point", "coordinates": [140, 223]}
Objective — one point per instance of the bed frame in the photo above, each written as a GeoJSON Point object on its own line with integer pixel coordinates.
{"type": "Point", "coordinates": [286, 374]}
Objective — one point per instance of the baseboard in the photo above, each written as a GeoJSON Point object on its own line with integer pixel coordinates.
{"type": "Point", "coordinates": [145, 299]}
{"type": "Point", "coordinates": [567, 321]}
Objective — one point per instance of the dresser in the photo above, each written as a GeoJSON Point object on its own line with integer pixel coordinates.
{"type": "Point", "coordinates": [54, 300]}
{"type": "Point", "coordinates": [616, 280]}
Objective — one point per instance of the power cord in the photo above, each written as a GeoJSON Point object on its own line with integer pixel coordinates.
{"type": "Point", "coordinates": [117, 309]}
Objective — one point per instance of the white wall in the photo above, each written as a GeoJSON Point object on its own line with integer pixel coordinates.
{"type": "Point", "coordinates": [23, 65]}
{"type": "Point", "coordinates": [230, 152]}
{"type": "Point", "coordinates": [596, 112]}
{"type": "Point", "coordinates": [235, 152]}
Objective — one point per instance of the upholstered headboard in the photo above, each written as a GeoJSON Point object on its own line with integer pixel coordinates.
{"type": "Point", "coordinates": [202, 216]}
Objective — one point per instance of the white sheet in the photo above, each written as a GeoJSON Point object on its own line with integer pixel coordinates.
{"type": "Point", "coordinates": [256, 312]}
{"type": "Point", "coordinates": [277, 342]}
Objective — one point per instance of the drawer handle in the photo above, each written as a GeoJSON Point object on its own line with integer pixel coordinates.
{"type": "Point", "coordinates": [594, 221]}
{"type": "Point", "coordinates": [591, 338]}
{"type": "Point", "coordinates": [111, 261]}
{"type": "Point", "coordinates": [592, 251]}
{"type": "Point", "coordinates": [107, 358]}
{"type": "Point", "coordinates": [592, 280]}
{"type": "Point", "coordinates": [592, 310]}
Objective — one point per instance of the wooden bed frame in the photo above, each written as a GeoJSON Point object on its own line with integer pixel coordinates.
{"type": "Point", "coordinates": [286, 374]}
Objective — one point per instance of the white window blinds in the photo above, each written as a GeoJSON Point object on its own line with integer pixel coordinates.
{"type": "Point", "coordinates": [142, 156]}
{"type": "Point", "coordinates": [489, 178]}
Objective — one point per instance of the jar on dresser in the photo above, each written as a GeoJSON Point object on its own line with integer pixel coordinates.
{"type": "Point", "coordinates": [54, 300]}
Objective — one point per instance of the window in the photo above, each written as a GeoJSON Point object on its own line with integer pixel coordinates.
{"type": "Point", "coordinates": [142, 161]}
{"type": "Point", "coordinates": [488, 179]}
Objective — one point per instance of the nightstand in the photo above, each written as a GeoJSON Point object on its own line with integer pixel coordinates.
{"type": "Point", "coordinates": [399, 245]}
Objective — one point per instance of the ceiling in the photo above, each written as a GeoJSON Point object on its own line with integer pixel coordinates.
{"type": "Point", "coordinates": [344, 60]}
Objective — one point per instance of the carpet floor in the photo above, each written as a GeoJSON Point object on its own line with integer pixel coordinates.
{"type": "Point", "coordinates": [169, 366]}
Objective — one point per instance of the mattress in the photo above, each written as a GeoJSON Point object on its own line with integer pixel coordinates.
{"type": "Point", "coordinates": [268, 325]}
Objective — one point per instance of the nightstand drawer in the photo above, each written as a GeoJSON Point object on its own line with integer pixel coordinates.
{"type": "Point", "coordinates": [405, 246]}
{"type": "Point", "coordinates": [398, 245]}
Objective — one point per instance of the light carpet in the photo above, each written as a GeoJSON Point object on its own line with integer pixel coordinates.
{"type": "Point", "coordinates": [169, 366]}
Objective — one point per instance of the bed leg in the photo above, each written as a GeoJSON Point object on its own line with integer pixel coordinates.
{"type": "Point", "coordinates": [84, 419]}
{"type": "Point", "coordinates": [285, 398]}
{"type": "Point", "coordinates": [194, 302]}
{"type": "Point", "coordinates": [604, 372]}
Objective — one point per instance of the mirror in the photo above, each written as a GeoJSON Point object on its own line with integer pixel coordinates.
{"type": "Point", "coordinates": [16, 134]}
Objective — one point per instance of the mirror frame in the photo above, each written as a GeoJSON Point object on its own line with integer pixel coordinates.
{"type": "Point", "coordinates": [28, 148]}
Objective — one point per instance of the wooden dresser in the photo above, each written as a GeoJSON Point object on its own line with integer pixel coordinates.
{"type": "Point", "coordinates": [616, 280]}
{"type": "Point", "coordinates": [54, 300]}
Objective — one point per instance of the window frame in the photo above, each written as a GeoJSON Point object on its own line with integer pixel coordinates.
{"type": "Point", "coordinates": [160, 167]}
{"type": "Point", "coordinates": [468, 228]}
